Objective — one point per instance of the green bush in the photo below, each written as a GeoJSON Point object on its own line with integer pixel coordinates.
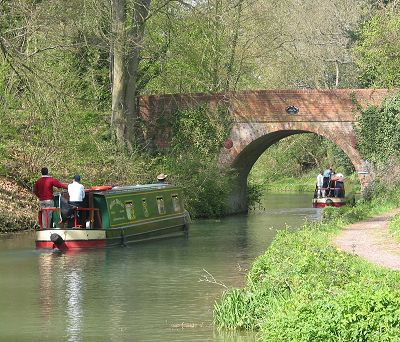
{"type": "Point", "coordinates": [361, 312]}
{"type": "Point", "coordinates": [197, 136]}
{"type": "Point", "coordinates": [376, 50]}
{"type": "Point", "coordinates": [206, 187]}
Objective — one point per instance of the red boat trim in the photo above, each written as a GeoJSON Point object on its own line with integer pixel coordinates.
{"type": "Point", "coordinates": [323, 205]}
{"type": "Point", "coordinates": [73, 244]}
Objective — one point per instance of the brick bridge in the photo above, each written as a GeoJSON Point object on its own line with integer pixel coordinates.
{"type": "Point", "coordinates": [261, 118]}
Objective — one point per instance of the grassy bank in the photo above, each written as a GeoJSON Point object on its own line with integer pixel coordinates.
{"type": "Point", "coordinates": [304, 289]}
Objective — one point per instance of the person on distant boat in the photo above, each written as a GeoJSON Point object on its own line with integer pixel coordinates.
{"type": "Point", "coordinates": [320, 185]}
{"type": "Point", "coordinates": [162, 178]}
{"type": "Point", "coordinates": [43, 189]}
{"type": "Point", "coordinates": [326, 180]}
{"type": "Point", "coordinates": [339, 186]}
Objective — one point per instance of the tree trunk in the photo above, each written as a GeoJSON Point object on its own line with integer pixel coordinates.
{"type": "Point", "coordinates": [126, 48]}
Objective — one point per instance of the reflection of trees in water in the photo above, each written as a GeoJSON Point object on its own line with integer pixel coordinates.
{"type": "Point", "coordinates": [64, 278]}
{"type": "Point", "coordinates": [45, 289]}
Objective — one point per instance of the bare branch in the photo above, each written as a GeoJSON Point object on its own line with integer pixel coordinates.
{"type": "Point", "coordinates": [209, 278]}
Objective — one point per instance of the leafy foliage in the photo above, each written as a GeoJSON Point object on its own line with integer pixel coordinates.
{"type": "Point", "coordinates": [378, 131]}
{"type": "Point", "coordinates": [203, 47]}
{"type": "Point", "coordinates": [377, 50]}
{"type": "Point", "coordinates": [201, 129]}
{"type": "Point", "coordinates": [363, 312]}
{"type": "Point", "coordinates": [206, 186]}
{"type": "Point", "coordinates": [198, 134]}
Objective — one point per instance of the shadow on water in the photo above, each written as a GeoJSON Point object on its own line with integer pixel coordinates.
{"type": "Point", "coordinates": [149, 291]}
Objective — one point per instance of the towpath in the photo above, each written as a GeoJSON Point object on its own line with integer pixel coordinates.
{"type": "Point", "coordinates": [370, 239]}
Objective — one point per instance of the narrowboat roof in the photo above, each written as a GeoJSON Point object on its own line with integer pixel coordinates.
{"type": "Point", "coordinates": [136, 188]}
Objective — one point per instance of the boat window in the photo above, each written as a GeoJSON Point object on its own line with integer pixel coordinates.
{"type": "Point", "coordinates": [145, 208]}
{"type": "Point", "coordinates": [176, 203]}
{"type": "Point", "coordinates": [160, 205]}
{"type": "Point", "coordinates": [130, 210]}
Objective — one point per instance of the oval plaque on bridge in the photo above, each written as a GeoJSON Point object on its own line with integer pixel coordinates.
{"type": "Point", "coordinates": [292, 110]}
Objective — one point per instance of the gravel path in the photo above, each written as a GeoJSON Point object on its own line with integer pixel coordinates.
{"type": "Point", "coordinates": [370, 240]}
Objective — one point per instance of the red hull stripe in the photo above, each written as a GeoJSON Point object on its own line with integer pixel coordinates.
{"type": "Point", "coordinates": [323, 205]}
{"type": "Point", "coordinates": [73, 244]}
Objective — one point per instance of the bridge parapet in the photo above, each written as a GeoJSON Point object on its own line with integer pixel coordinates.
{"type": "Point", "coordinates": [323, 105]}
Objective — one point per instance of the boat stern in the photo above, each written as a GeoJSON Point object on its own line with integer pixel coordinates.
{"type": "Point", "coordinates": [64, 239]}
{"type": "Point", "coordinates": [328, 202]}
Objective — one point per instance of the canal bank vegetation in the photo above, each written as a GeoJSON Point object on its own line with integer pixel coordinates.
{"type": "Point", "coordinates": [304, 289]}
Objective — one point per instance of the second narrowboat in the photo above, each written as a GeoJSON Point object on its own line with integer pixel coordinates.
{"type": "Point", "coordinates": [332, 196]}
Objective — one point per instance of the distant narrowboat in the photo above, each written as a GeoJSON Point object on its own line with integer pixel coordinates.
{"type": "Point", "coordinates": [111, 216]}
{"type": "Point", "coordinates": [333, 196]}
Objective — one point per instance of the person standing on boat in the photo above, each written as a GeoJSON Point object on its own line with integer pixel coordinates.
{"type": "Point", "coordinates": [326, 180]}
{"type": "Point", "coordinates": [320, 185]}
{"type": "Point", "coordinates": [43, 189]}
{"type": "Point", "coordinates": [339, 186]}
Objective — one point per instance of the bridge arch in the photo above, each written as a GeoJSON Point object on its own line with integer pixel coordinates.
{"type": "Point", "coordinates": [250, 141]}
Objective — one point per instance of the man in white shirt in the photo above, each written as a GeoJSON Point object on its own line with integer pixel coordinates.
{"type": "Point", "coordinates": [76, 191]}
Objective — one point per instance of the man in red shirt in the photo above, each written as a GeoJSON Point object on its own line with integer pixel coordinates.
{"type": "Point", "coordinates": [43, 189]}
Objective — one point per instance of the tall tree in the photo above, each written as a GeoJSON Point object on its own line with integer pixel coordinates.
{"type": "Point", "coordinates": [127, 43]}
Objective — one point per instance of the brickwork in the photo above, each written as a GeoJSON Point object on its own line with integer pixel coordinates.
{"type": "Point", "coordinates": [261, 119]}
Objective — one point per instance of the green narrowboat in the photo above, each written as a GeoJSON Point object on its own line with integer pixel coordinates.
{"type": "Point", "coordinates": [111, 216]}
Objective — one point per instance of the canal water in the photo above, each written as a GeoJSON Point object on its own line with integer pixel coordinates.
{"type": "Point", "coordinates": [161, 290]}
